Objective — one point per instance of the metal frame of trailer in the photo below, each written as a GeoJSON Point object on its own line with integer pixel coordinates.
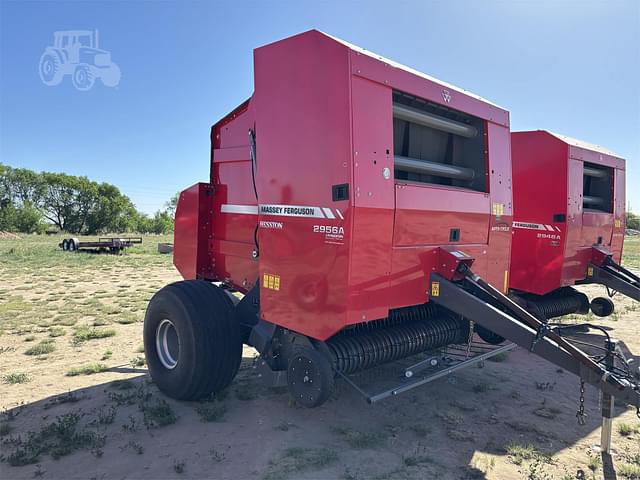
{"type": "Point", "coordinates": [111, 244]}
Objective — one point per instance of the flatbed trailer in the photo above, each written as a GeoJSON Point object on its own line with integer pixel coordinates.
{"type": "Point", "coordinates": [103, 244]}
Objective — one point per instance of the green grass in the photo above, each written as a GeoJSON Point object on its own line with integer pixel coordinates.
{"type": "Point", "coordinates": [84, 334]}
{"type": "Point", "coordinates": [631, 252]}
{"type": "Point", "coordinates": [595, 463]}
{"type": "Point", "coordinates": [626, 429]}
{"type": "Point", "coordinates": [138, 362]}
{"type": "Point", "coordinates": [128, 318]}
{"type": "Point", "coordinates": [122, 385]}
{"type": "Point", "coordinates": [211, 411]}
{"type": "Point", "coordinates": [14, 378]}
{"type": "Point", "coordinates": [293, 461]}
{"type": "Point", "coordinates": [630, 472]}
{"type": "Point", "coordinates": [57, 332]}
{"type": "Point", "coordinates": [520, 453]}
{"type": "Point", "coordinates": [359, 439]}
{"type": "Point", "coordinates": [61, 285]}
{"type": "Point", "coordinates": [69, 397]}
{"type": "Point", "coordinates": [157, 413]}
{"type": "Point", "coordinates": [62, 437]}
{"type": "Point", "coordinates": [89, 369]}
{"type": "Point", "coordinates": [42, 348]}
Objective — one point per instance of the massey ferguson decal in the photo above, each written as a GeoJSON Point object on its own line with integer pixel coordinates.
{"type": "Point", "coordinates": [284, 211]}
{"type": "Point", "coordinates": [300, 211]}
{"type": "Point", "coordinates": [536, 226]}
{"type": "Point", "coordinates": [291, 211]}
{"type": "Point", "coordinates": [551, 232]}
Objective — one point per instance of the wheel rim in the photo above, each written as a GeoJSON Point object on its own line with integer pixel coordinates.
{"type": "Point", "coordinates": [305, 380]}
{"type": "Point", "coordinates": [167, 344]}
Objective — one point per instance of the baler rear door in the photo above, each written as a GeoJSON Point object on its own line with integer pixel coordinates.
{"type": "Point", "coordinates": [440, 173]}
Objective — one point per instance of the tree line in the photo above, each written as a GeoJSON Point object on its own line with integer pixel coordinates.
{"type": "Point", "coordinates": [32, 202]}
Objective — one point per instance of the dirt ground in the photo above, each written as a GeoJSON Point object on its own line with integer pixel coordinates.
{"type": "Point", "coordinates": [77, 401]}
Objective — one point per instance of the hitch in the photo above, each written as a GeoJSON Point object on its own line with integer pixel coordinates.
{"type": "Point", "coordinates": [603, 270]}
{"type": "Point", "coordinates": [475, 299]}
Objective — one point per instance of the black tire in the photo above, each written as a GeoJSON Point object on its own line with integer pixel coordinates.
{"type": "Point", "coordinates": [73, 244]}
{"type": "Point", "coordinates": [65, 244]}
{"type": "Point", "coordinates": [310, 378]}
{"type": "Point", "coordinates": [602, 307]}
{"type": "Point", "coordinates": [208, 338]}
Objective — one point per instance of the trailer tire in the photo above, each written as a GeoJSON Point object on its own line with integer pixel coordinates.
{"type": "Point", "coordinates": [192, 321]}
{"type": "Point", "coordinates": [73, 244]}
{"type": "Point", "coordinates": [65, 245]}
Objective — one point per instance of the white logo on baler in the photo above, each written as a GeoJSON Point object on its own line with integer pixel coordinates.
{"type": "Point", "coordinates": [276, 225]}
{"type": "Point", "coordinates": [446, 96]}
{"type": "Point", "coordinates": [332, 233]}
{"type": "Point", "coordinates": [536, 226]}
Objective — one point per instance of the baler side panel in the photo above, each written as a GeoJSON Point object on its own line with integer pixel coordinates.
{"type": "Point", "coordinates": [501, 191]}
{"type": "Point", "coordinates": [303, 136]}
{"type": "Point", "coordinates": [576, 253]}
{"type": "Point", "coordinates": [193, 223]}
{"type": "Point", "coordinates": [588, 227]}
{"type": "Point", "coordinates": [425, 215]}
{"type": "Point", "coordinates": [235, 204]}
{"type": "Point", "coordinates": [539, 237]}
{"type": "Point", "coordinates": [372, 191]}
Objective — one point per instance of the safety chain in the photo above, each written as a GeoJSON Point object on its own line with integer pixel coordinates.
{"type": "Point", "coordinates": [638, 412]}
{"type": "Point", "coordinates": [582, 417]}
{"type": "Point", "coordinates": [470, 339]}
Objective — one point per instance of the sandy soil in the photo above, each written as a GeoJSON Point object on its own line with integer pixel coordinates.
{"type": "Point", "coordinates": [464, 427]}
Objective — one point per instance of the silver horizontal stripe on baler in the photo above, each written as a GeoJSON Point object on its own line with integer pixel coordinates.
{"type": "Point", "coordinates": [282, 210]}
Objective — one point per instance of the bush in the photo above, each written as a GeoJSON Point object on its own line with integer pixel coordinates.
{"type": "Point", "coordinates": [25, 219]}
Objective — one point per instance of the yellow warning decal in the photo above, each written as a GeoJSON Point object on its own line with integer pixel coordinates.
{"type": "Point", "coordinates": [272, 282]}
{"type": "Point", "coordinates": [497, 209]}
{"type": "Point", "coordinates": [589, 271]}
{"type": "Point", "coordinates": [435, 289]}
{"type": "Point", "coordinates": [618, 223]}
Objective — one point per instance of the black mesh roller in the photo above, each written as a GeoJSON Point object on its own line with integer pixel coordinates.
{"type": "Point", "coordinates": [359, 351]}
{"type": "Point", "coordinates": [561, 302]}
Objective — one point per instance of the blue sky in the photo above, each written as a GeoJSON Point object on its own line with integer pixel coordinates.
{"type": "Point", "coordinates": [568, 66]}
